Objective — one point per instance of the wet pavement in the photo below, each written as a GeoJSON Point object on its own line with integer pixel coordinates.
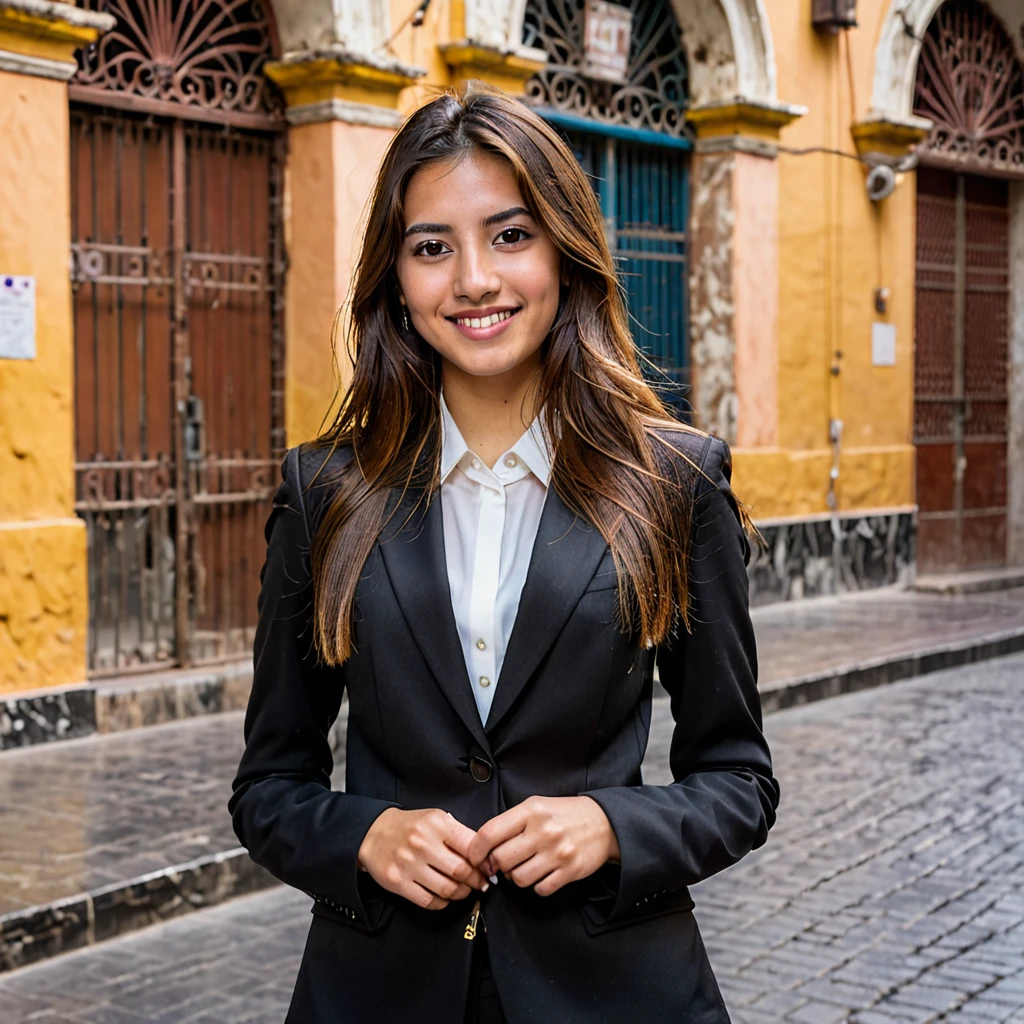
{"type": "Point", "coordinates": [84, 814]}
{"type": "Point", "coordinates": [891, 890]}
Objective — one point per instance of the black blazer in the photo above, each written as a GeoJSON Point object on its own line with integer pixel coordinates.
{"type": "Point", "coordinates": [571, 715]}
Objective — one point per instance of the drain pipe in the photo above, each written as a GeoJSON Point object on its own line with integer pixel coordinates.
{"type": "Point", "coordinates": [835, 435]}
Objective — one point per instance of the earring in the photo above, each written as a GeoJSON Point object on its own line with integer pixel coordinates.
{"type": "Point", "coordinates": [405, 319]}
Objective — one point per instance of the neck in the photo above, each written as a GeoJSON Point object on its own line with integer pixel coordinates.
{"type": "Point", "coordinates": [491, 412]}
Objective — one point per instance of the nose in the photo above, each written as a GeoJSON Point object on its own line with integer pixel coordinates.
{"type": "Point", "coordinates": [475, 275]}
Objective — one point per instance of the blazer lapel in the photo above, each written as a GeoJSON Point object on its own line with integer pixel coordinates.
{"type": "Point", "coordinates": [413, 552]}
{"type": "Point", "coordinates": [565, 557]}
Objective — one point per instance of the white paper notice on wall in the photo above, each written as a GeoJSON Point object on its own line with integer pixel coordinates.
{"type": "Point", "coordinates": [17, 317]}
{"type": "Point", "coordinates": [883, 344]}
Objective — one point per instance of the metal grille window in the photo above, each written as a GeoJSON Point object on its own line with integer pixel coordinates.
{"type": "Point", "coordinates": [655, 92]}
{"type": "Point", "coordinates": [631, 139]}
{"type": "Point", "coordinates": [970, 83]}
{"type": "Point", "coordinates": [644, 195]}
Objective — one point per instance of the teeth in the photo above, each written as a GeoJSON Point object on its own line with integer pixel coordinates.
{"type": "Point", "coordinates": [485, 321]}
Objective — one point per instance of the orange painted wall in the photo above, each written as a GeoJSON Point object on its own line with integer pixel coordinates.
{"type": "Point", "coordinates": [331, 168]}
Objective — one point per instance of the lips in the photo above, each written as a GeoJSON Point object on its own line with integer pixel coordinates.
{"type": "Point", "coordinates": [484, 328]}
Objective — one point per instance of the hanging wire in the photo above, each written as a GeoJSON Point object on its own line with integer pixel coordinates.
{"type": "Point", "coordinates": [414, 17]}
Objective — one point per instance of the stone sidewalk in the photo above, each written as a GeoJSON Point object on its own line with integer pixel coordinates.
{"type": "Point", "coordinates": [820, 648]}
{"type": "Point", "coordinates": [891, 891]}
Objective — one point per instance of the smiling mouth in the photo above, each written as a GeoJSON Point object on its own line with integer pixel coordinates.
{"type": "Point", "coordinates": [484, 321]}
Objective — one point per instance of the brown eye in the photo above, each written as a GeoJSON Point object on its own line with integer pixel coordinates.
{"type": "Point", "coordinates": [512, 235]}
{"type": "Point", "coordinates": [433, 248]}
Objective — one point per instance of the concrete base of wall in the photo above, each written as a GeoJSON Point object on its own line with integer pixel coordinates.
{"type": "Point", "coordinates": [823, 555]}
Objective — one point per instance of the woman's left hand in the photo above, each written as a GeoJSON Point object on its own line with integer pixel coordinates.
{"type": "Point", "coordinates": [546, 842]}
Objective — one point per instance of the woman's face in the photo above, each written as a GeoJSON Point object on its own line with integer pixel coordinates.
{"type": "Point", "coordinates": [478, 274]}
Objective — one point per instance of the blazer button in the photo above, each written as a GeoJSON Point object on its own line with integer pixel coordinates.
{"type": "Point", "coordinates": [479, 768]}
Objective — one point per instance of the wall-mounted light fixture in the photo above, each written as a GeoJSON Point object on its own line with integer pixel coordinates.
{"type": "Point", "coordinates": [833, 15]}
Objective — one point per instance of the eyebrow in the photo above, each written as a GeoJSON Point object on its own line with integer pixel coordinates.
{"type": "Point", "coordinates": [495, 218]}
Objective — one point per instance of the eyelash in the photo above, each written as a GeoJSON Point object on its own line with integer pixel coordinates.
{"type": "Point", "coordinates": [418, 251]}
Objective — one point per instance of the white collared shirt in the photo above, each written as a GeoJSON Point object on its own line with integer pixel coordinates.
{"type": "Point", "coordinates": [490, 518]}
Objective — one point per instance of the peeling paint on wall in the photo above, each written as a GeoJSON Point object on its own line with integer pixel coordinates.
{"type": "Point", "coordinates": [712, 309]}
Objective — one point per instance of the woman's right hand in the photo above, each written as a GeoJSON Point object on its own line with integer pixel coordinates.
{"type": "Point", "coordinates": [421, 855]}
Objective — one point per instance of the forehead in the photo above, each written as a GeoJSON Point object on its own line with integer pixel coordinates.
{"type": "Point", "coordinates": [465, 187]}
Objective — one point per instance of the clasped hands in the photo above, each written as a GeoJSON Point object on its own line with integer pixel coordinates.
{"type": "Point", "coordinates": [430, 858]}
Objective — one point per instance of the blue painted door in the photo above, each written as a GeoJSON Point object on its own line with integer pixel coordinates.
{"type": "Point", "coordinates": [644, 192]}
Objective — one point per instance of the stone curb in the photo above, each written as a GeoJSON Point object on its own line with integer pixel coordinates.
{"type": "Point", "coordinates": [889, 669]}
{"type": "Point", "coordinates": [37, 933]}
{"type": "Point", "coordinates": [131, 702]}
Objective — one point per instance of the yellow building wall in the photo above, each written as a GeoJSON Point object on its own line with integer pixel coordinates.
{"type": "Point", "coordinates": [835, 248]}
{"type": "Point", "coordinates": [43, 590]}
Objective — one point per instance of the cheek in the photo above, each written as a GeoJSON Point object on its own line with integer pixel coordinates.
{"type": "Point", "coordinates": [421, 284]}
{"type": "Point", "coordinates": [540, 285]}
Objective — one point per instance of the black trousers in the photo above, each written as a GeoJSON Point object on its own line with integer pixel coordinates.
{"type": "Point", "coordinates": [483, 1005]}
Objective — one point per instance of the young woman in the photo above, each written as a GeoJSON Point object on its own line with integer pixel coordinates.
{"type": "Point", "coordinates": [498, 537]}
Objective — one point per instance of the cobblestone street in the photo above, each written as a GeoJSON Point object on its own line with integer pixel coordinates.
{"type": "Point", "coordinates": [891, 890]}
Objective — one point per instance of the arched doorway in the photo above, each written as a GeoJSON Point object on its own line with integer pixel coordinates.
{"type": "Point", "coordinates": [970, 85]}
{"type": "Point", "coordinates": [628, 131]}
{"type": "Point", "coordinates": [176, 266]}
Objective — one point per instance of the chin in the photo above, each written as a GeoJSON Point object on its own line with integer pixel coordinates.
{"type": "Point", "coordinates": [487, 364]}
{"type": "Point", "coordinates": [489, 369]}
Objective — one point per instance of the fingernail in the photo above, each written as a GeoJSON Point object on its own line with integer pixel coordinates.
{"type": "Point", "coordinates": [484, 887]}
{"type": "Point", "coordinates": [493, 879]}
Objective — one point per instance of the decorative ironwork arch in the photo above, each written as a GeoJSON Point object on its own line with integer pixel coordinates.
{"type": "Point", "coordinates": [655, 94]}
{"type": "Point", "coordinates": [970, 83]}
{"type": "Point", "coordinates": [203, 54]}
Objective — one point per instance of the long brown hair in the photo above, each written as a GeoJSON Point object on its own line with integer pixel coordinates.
{"type": "Point", "coordinates": [607, 425]}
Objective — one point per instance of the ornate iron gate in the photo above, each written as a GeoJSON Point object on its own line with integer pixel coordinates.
{"type": "Point", "coordinates": [176, 268]}
{"type": "Point", "coordinates": [970, 84]}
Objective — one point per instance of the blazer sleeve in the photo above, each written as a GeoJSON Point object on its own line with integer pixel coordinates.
{"type": "Point", "coordinates": [723, 800]}
{"type": "Point", "coordinates": [282, 807]}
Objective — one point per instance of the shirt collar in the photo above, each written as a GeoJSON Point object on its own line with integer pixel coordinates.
{"type": "Point", "coordinates": [531, 448]}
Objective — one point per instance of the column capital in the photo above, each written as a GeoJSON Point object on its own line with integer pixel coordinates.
{"type": "Point", "coordinates": [506, 68]}
{"type": "Point", "coordinates": [882, 139]}
{"type": "Point", "coordinates": [39, 37]}
{"type": "Point", "coordinates": [741, 124]}
{"type": "Point", "coordinates": [335, 84]}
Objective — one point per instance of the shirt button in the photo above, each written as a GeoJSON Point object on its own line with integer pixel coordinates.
{"type": "Point", "coordinates": [477, 464]}
{"type": "Point", "coordinates": [511, 462]}
{"type": "Point", "coordinates": [484, 681]}
{"type": "Point", "coordinates": [481, 646]}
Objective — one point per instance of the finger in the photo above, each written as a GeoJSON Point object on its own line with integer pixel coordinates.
{"type": "Point", "coordinates": [422, 897]}
{"type": "Point", "coordinates": [445, 888]}
{"type": "Point", "coordinates": [458, 837]}
{"type": "Point", "coordinates": [533, 870]}
{"type": "Point", "coordinates": [495, 832]}
{"type": "Point", "coordinates": [458, 868]}
{"type": "Point", "coordinates": [553, 882]}
{"type": "Point", "coordinates": [509, 855]}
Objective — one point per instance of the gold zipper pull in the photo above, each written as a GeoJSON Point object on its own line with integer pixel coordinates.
{"type": "Point", "coordinates": [470, 932]}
